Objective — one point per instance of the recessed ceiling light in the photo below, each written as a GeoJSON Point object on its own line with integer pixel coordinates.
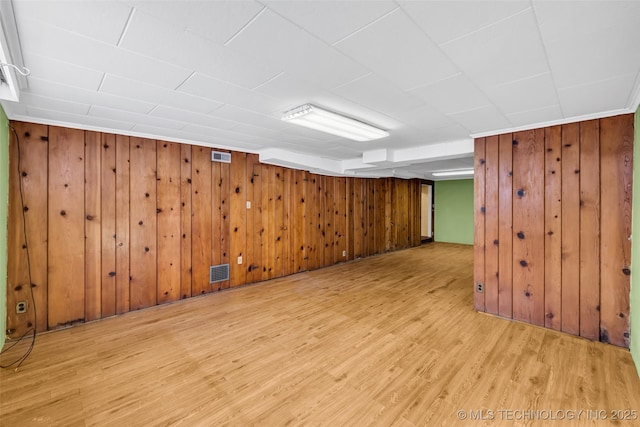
{"type": "Point", "coordinates": [453, 173]}
{"type": "Point", "coordinates": [326, 121]}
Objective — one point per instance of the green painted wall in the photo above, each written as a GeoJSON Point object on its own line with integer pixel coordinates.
{"type": "Point", "coordinates": [634, 299]}
{"type": "Point", "coordinates": [4, 203]}
{"type": "Point", "coordinates": [454, 211]}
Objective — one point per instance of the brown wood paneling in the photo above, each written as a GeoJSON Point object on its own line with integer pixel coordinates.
{"type": "Point", "coordinates": [301, 222]}
{"type": "Point", "coordinates": [66, 224]}
{"type": "Point", "coordinates": [258, 227]}
{"type": "Point", "coordinates": [491, 229]}
{"type": "Point", "coordinates": [582, 205]}
{"type": "Point", "coordinates": [358, 218]}
{"type": "Point", "coordinates": [310, 213]}
{"type": "Point", "coordinates": [616, 154]}
{"type": "Point", "coordinates": [479, 222]}
{"type": "Point", "coordinates": [350, 192]}
{"type": "Point", "coordinates": [139, 197]}
{"type": "Point", "coordinates": [287, 240]}
{"type": "Point", "coordinates": [201, 219]}
{"type": "Point", "coordinates": [329, 218]}
{"type": "Point", "coordinates": [216, 219]}
{"type": "Point", "coordinates": [320, 220]}
{"type": "Point", "coordinates": [371, 216]}
{"type": "Point", "coordinates": [225, 219]}
{"type": "Point", "coordinates": [553, 228]}
{"type": "Point", "coordinates": [32, 175]}
{"type": "Point", "coordinates": [238, 202]}
{"type": "Point", "coordinates": [268, 246]}
{"type": "Point", "coordinates": [505, 230]}
{"type": "Point", "coordinates": [387, 214]}
{"type": "Point", "coordinates": [571, 228]}
{"type": "Point", "coordinates": [380, 191]}
{"type": "Point", "coordinates": [590, 229]}
{"type": "Point", "coordinates": [92, 227]}
{"type": "Point", "coordinates": [123, 203]}
{"type": "Point", "coordinates": [168, 209]}
{"type": "Point", "coordinates": [185, 221]}
{"type": "Point", "coordinates": [278, 221]}
{"type": "Point", "coordinates": [252, 160]}
{"type": "Point", "coordinates": [108, 224]}
{"type": "Point", "coordinates": [143, 250]}
{"type": "Point", "coordinates": [341, 249]}
{"type": "Point", "coordinates": [528, 227]}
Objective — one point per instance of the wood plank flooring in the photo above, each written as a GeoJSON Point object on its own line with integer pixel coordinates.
{"type": "Point", "coordinates": [388, 340]}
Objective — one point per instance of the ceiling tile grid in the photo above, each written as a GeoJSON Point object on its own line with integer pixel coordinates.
{"type": "Point", "coordinates": [221, 73]}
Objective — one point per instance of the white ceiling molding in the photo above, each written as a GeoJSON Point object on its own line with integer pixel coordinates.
{"type": "Point", "coordinates": [554, 122]}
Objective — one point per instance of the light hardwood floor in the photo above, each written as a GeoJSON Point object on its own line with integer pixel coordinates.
{"type": "Point", "coordinates": [389, 340]}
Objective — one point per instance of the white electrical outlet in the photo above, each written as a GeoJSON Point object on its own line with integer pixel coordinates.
{"type": "Point", "coordinates": [344, 253]}
{"type": "Point", "coordinates": [248, 204]}
{"type": "Point", "coordinates": [240, 259]}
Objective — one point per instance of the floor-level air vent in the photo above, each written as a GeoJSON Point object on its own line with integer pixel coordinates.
{"type": "Point", "coordinates": [218, 273]}
{"type": "Point", "coordinates": [218, 156]}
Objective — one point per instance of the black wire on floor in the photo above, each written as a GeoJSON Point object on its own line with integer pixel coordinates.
{"type": "Point", "coordinates": [26, 354]}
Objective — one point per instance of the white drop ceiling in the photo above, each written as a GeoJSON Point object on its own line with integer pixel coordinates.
{"type": "Point", "coordinates": [221, 73]}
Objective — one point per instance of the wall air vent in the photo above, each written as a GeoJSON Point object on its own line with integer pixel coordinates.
{"type": "Point", "coordinates": [218, 273]}
{"type": "Point", "coordinates": [218, 156]}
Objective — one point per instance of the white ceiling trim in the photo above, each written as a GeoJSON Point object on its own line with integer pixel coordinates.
{"type": "Point", "coordinates": [555, 122]}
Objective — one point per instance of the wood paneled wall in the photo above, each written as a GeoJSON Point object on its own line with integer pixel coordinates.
{"type": "Point", "coordinates": [552, 227]}
{"type": "Point", "coordinates": [117, 223]}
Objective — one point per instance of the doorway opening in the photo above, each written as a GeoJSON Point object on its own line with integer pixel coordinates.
{"type": "Point", "coordinates": [426, 211]}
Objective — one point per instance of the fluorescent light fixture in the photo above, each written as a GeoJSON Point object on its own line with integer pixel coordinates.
{"type": "Point", "coordinates": [325, 121]}
{"type": "Point", "coordinates": [454, 173]}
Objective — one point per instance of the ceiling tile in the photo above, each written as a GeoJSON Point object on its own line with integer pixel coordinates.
{"type": "Point", "coordinates": [524, 95]}
{"type": "Point", "coordinates": [191, 51]}
{"type": "Point", "coordinates": [291, 88]}
{"type": "Point", "coordinates": [65, 46]}
{"type": "Point", "coordinates": [242, 115]}
{"type": "Point", "coordinates": [223, 92]}
{"type": "Point", "coordinates": [44, 67]}
{"type": "Point", "coordinates": [54, 104]}
{"type": "Point", "coordinates": [100, 20]}
{"type": "Point", "coordinates": [112, 114]}
{"type": "Point", "coordinates": [482, 119]}
{"type": "Point", "coordinates": [331, 20]}
{"type": "Point", "coordinates": [606, 95]}
{"type": "Point", "coordinates": [276, 41]}
{"type": "Point", "coordinates": [200, 138]}
{"type": "Point", "coordinates": [76, 120]}
{"type": "Point", "coordinates": [378, 94]}
{"type": "Point", "coordinates": [540, 115]}
{"type": "Point", "coordinates": [444, 22]}
{"type": "Point", "coordinates": [399, 51]}
{"type": "Point", "coordinates": [191, 117]}
{"type": "Point", "coordinates": [424, 117]}
{"type": "Point", "coordinates": [213, 20]}
{"type": "Point", "coordinates": [452, 95]}
{"type": "Point", "coordinates": [599, 55]}
{"type": "Point", "coordinates": [506, 51]}
{"type": "Point", "coordinates": [231, 136]}
{"type": "Point", "coordinates": [560, 20]}
{"type": "Point", "coordinates": [56, 90]}
{"type": "Point", "coordinates": [145, 92]}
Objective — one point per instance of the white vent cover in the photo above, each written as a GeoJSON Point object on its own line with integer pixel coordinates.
{"type": "Point", "coordinates": [218, 273]}
{"type": "Point", "coordinates": [218, 156]}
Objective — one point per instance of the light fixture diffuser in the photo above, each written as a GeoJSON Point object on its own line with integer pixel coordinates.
{"type": "Point", "coordinates": [453, 173]}
{"type": "Point", "coordinates": [326, 121]}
